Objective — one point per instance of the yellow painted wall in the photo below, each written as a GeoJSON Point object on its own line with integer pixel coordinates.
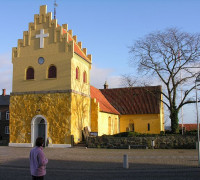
{"type": "Point", "coordinates": [103, 124]}
{"type": "Point", "coordinates": [80, 116]}
{"type": "Point", "coordinates": [162, 120]}
{"type": "Point", "coordinates": [54, 107]}
{"type": "Point", "coordinates": [80, 99]}
{"type": "Point", "coordinates": [141, 123]}
{"type": "Point", "coordinates": [55, 52]}
{"type": "Point", "coordinates": [79, 85]}
{"type": "Point", "coordinates": [94, 115]}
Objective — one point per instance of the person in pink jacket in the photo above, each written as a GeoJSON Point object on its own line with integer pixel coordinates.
{"type": "Point", "coordinates": [38, 161]}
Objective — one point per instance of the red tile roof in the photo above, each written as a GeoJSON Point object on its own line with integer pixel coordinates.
{"type": "Point", "coordinates": [189, 127]}
{"type": "Point", "coordinates": [105, 106]}
{"type": "Point", "coordinates": [77, 49]}
{"type": "Point", "coordinates": [136, 100]}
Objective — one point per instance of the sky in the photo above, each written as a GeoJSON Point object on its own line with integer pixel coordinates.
{"type": "Point", "coordinates": [107, 28]}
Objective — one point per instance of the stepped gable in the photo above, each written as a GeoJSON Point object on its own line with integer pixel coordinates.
{"type": "Point", "coordinates": [135, 100]}
{"type": "Point", "coordinates": [59, 33]}
{"type": "Point", "coordinates": [105, 106]}
{"type": "Point", "coordinates": [77, 47]}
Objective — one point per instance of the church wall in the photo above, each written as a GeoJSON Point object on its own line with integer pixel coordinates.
{"type": "Point", "coordinates": [103, 124]}
{"type": "Point", "coordinates": [94, 115]}
{"type": "Point", "coordinates": [80, 116]}
{"type": "Point", "coordinates": [81, 97]}
{"type": "Point", "coordinates": [54, 107]}
{"type": "Point", "coordinates": [41, 81]}
{"type": "Point", "coordinates": [140, 122]}
{"type": "Point", "coordinates": [78, 84]}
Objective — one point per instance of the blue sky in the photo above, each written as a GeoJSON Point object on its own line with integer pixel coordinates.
{"type": "Point", "coordinates": [106, 28]}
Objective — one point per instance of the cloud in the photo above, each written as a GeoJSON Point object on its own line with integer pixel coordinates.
{"type": "Point", "coordinates": [98, 76]}
{"type": "Point", "coordinates": [6, 72]}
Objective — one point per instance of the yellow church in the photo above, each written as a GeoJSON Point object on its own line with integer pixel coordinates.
{"type": "Point", "coordinates": [52, 96]}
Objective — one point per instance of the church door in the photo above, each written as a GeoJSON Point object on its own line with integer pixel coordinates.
{"type": "Point", "coordinates": [38, 128]}
{"type": "Point", "coordinates": [41, 130]}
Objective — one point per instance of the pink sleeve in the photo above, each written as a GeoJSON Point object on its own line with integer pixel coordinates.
{"type": "Point", "coordinates": [41, 159]}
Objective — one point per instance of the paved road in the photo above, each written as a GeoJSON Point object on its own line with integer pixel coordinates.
{"type": "Point", "coordinates": [80, 163]}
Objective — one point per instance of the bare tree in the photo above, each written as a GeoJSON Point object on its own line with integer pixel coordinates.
{"type": "Point", "coordinates": [170, 55]}
{"type": "Point", "coordinates": [128, 81]}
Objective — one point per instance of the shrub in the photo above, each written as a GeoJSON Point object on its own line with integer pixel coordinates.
{"type": "Point", "coordinates": [134, 134]}
{"type": "Point", "coordinates": [192, 132]}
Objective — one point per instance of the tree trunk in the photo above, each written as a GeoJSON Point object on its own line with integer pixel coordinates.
{"type": "Point", "coordinates": [174, 120]}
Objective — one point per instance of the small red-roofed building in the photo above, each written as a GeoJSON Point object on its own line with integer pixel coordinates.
{"type": "Point", "coordinates": [136, 109]}
{"type": "Point", "coordinates": [188, 127]}
{"type": "Point", "coordinates": [140, 108]}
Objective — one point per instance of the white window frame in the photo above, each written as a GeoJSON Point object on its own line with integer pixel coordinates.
{"type": "Point", "coordinates": [7, 115]}
{"type": "Point", "coordinates": [7, 130]}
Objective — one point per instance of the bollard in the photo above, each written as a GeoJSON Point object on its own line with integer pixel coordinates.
{"type": "Point", "coordinates": [125, 162]}
{"type": "Point", "coordinates": [152, 144]}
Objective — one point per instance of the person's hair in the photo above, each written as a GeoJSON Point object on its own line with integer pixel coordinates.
{"type": "Point", "coordinates": [39, 141]}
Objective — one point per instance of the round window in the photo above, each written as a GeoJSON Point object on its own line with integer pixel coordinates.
{"type": "Point", "coordinates": [40, 60]}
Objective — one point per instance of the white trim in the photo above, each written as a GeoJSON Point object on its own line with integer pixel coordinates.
{"type": "Point", "coordinates": [7, 115]}
{"type": "Point", "coordinates": [60, 145]}
{"type": "Point", "coordinates": [33, 124]}
{"type": "Point", "coordinates": [20, 144]}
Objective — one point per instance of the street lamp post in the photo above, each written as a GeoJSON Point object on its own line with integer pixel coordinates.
{"type": "Point", "coordinates": [196, 81]}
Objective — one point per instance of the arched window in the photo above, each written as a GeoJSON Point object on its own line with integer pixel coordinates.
{"type": "Point", "coordinates": [109, 125]}
{"type": "Point", "coordinates": [77, 73]}
{"type": "Point", "coordinates": [148, 127]}
{"type": "Point", "coordinates": [132, 127]}
{"type": "Point", "coordinates": [84, 77]}
{"type": "Point", "coordinates": [52, 72]}
{"type": "Point", "coordinates": [30, 73]}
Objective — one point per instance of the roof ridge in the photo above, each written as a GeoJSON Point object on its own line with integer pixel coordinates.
{"type": "Point", "coordinates": [135, 100]}
{"type": "Point", "coordinates": [136, 87]}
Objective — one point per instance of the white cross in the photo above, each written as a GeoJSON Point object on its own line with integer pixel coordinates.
{"type": "Point", "coordinates": [42, 36]}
